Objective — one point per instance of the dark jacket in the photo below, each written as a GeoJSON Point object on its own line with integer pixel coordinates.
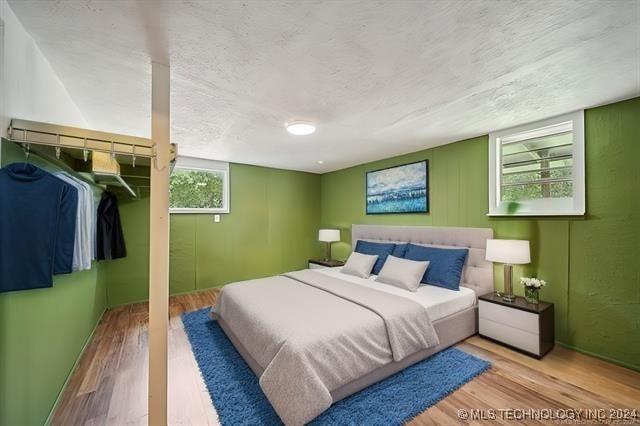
{"type": "Point", "coordinates": [110, 238]}
{"type": "Point", "coordinates": [37, 227]}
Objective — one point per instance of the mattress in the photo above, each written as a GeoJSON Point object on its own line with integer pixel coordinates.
{"type": "Point", "coordinates": [439, 302]}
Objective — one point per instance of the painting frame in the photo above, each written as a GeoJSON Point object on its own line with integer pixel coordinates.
{"type": "Point", "coordinates": [372, 209]}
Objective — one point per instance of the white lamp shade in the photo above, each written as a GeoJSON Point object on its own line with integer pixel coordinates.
{"type": "Point", "coordinates": [329, 235]}
{"type": "Point", "coordinates": [513, 252]}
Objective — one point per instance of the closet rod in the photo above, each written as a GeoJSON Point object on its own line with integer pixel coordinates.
{"type": "Point", "coordinates": [65, 168]}
{"type": "Point", "coordinates": [31, 132]}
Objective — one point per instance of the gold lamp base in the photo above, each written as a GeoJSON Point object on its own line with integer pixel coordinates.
{"type": "Point", "coordinates": [508, 296]}
{"type": "Point", "coordinates": [327, 252]}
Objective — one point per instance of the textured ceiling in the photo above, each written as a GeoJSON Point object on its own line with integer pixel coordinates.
{"type": "Point", "coordinates": [378, 78]}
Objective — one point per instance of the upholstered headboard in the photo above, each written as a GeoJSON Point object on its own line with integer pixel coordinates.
{"type": "Point", "coordinates": [477, 273]}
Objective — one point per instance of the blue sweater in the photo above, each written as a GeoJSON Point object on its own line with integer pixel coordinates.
{"type": "Point", "coordinates": [37, 227]}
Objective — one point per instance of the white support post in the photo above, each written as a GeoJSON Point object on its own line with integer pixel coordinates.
{"type": "Point", "coordinates": [159, 246]}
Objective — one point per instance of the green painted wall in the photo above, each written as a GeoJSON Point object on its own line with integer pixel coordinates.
{"type": "Point", "coordinates": [590, 263]}
{"type": "Point", "coordinates": [42, 333]}
{"type": "Point", "coordinates": [604, 272]}
{"type": "Point", "coordinates": [272, 228]}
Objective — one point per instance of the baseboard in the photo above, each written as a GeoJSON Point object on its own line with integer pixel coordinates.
{"type": "Point", "coordinates": [182, 293]}
{"type": "Point", "coordinates": [133, 302]}
{"type": "Point", "coordinates": [75, 364]}
{"type": "Point", "coordinates": [200, 290]}
{"type": "Point", "coordinates": [602, 357]}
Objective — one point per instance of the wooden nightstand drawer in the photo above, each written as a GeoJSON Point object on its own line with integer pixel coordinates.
{"type": "Point", "coordinates": [515, 318]}
{"type": "Point", "coordinates": [518, 324]}
{"type": "Point", "coordinates": [524, 340]}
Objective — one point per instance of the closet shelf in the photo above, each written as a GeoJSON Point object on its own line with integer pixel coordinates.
{"type": "Point", "coordinates": [78, 144]}
{"type": "Point", "coordinates": [112, 179]}
{"type": "Point", "coordinates": [32, 132]}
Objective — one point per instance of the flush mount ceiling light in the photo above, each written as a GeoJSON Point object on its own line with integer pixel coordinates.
{"type": "Point", "coordinates": [300, 128]}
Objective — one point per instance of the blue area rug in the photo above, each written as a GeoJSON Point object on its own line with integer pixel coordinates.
{"type": "Point", "coordinates": [238, 399]}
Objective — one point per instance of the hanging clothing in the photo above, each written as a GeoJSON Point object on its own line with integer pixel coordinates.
{"type": "Point", "coordinates": [110, 238]}
{"type": "Point", "coordinates": [84, 241]}
{"type": "Point", "coordinates": [84, 250]}
{"type": "Point", "coordinates": [37, 227]}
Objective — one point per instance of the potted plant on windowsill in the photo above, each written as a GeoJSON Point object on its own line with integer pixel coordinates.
{"type": "Point", "coordinates": [532, 287]}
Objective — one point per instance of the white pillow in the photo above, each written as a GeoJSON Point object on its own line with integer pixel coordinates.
{"type": "Point", "coordinates": [359, 264]}
{"type": "Point", "coordinates": [403, 273]}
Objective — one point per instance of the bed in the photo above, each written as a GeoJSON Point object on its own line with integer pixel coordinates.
{"type": "Point", "coordinates": [315, 337]}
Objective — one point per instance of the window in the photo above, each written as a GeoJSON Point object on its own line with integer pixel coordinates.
{"type": "Point", "coordinates": [199, 186]}
{"type": "Point", "coordinates": [538, 169]}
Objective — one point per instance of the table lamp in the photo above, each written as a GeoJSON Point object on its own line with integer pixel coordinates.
{"type": "Point", "coordinates": [328, 236]}
{"type": "Point", "coordinates": [509, 252]}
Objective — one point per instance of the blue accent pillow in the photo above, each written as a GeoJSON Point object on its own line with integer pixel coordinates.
{"type": "Point", "coordinates": [399, 250]}
{"type": "Point", "coordinates": [445, 267]}
{"type": "Point", "coordinates": [381, 249]}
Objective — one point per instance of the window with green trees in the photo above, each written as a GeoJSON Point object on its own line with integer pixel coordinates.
{"type": "Point", "coordinates": [194, 190]}
{"type": "Point", "coordinates": [538, 168]}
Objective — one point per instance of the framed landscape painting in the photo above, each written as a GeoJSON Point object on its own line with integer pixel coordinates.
{"type": "Point", "coordinates": [399, 189]}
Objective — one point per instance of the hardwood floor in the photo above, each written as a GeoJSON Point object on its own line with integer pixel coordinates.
{"type": "Point", "coordinates": [109, 386]}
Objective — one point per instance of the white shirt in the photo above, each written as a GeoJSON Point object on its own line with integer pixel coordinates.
{"type": "Point", "coordinates": [84, 242]}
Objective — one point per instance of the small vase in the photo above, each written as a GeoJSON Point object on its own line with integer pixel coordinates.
{"type": "Point", "coordinates": [531, 295]}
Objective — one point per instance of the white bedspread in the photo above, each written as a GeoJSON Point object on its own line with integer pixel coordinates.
{"type": "Point", "coordinates": [313, 333]}
{"type": "Point", "coordinates": [440, 302]}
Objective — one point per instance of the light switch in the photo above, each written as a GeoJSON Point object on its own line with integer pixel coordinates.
{"type": "Point", "coordinates": [216, 218]}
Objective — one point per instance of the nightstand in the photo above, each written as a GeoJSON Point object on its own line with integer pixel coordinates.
{"type": "Point", "coordinates": [321, 263]}
{"type": "Point", "coordinates": [519, 325]}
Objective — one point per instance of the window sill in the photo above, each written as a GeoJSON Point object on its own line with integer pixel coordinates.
{"type": "Point", "coordinates": [199, 211]}
{"type": "Point", "coordinates": [535, 214]}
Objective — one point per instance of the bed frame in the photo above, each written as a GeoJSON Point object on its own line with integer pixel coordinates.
{"type": "Point", "coordinates": [477, 274]}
